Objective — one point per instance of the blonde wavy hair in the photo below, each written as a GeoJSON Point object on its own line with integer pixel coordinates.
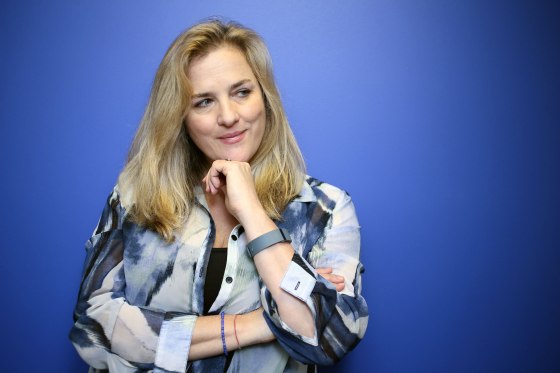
{"type": "Point", "coordinates": [164, 166]}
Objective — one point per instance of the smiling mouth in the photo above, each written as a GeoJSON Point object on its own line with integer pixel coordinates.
{"type": "Point", "coordinates": [232, 138]}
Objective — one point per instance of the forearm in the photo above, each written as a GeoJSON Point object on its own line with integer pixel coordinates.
{"type": "Point", "coordinates": [251, 328]}
{"type": "Point", "coordinates": [272, 264]}
{"type": "Point", "coordinates": [343, 314]}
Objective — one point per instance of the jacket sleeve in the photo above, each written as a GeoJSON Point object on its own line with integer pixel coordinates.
{"type": "Point", "coordinates": [340, 317]}
{"type": "Point", "coordinates": [108, 332]}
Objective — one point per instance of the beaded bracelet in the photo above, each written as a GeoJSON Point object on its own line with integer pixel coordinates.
{"type": "Point", "coordinates": [222, 315]}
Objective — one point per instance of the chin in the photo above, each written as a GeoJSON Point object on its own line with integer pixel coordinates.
{"type": "Point", "coordinates": [239, 157]}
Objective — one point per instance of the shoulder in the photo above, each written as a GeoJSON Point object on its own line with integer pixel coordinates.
{"type": "Point", "coordinates": [113, 215]}
{"type": "Point", "coordinates": [327, 194]}
{"type": "Point", "coordinates": [335, 203]}
{"type": "Point", "coordinates": [115, 200]}
{"type": "Point", "coordinates": [323, 187]}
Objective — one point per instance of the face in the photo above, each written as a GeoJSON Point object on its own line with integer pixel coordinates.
{"type": "Point", "coordinates": [227, 117]}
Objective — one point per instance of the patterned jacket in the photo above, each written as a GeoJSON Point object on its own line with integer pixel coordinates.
{"type": "Point", "coordinates": [140, 296]}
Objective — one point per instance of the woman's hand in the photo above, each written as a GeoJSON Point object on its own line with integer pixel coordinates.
{"type": "Point", "coordinates": [336, 280]}
{"type": "Point", "coordinates": [235, 180]}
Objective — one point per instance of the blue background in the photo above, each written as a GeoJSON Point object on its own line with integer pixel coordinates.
{"type": "Point", "coordinates": [441, 118]}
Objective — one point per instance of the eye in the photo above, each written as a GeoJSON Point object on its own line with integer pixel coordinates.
{"type": "Point", "coordinates": [243, 92]}
{"type": "Point", "coordinates": [205, 102]}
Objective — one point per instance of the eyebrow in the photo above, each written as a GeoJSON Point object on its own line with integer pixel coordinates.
{"type": "Point", "coordinates": [232, 87]}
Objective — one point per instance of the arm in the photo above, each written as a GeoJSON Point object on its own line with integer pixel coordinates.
{"type": "Point", "coordinates": [251, 328]}
{"type": "Point", "coordinates": [316, 325]}
{"type": "Point", "coordinates": [340, 317]}
{"type": "Point", "coordinates": [235, 180]}
{"type": "Point", "coordinates": [109, 332]}
{"type": "Point", "coordinates": [272, 265]}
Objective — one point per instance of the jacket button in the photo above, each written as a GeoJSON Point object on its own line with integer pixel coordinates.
{"type": "Point", "coordinates": [229, 279]}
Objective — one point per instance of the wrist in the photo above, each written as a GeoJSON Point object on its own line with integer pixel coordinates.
{"type": "Point", "coordinates": [267, 240]}
{"type": "Point", "coordinates": [257, 223]}
{"type": "Point", "coordinates": [253, 329]}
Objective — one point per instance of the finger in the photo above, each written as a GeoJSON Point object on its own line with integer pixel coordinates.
{"type": "Point", "coordinates": [330, 278]}
{"type": "Point", "coordinates": [324, 270]}
{"type": "Point", "coordinates": [220, 166]}
{"type": "Point", "coordinates": [334, 278]}
{"type": "Point", "coordinates": [215, 177]}
{"type": "Point", "coordinates": [337, 281]}
{"type": "Point", "coordinates": [206, 184]}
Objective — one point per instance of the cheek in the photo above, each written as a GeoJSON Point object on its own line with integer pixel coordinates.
{"type": "Point", "coordinates": [197, 127]}
{"type": "Point", "coordinates": [256, 113]}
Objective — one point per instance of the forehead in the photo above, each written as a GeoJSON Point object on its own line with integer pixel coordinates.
{"type": "Point", "coordinates": [224, 65]}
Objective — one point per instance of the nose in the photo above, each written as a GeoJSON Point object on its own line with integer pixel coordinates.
{"type": "Point", "coordinates": [228, 115]}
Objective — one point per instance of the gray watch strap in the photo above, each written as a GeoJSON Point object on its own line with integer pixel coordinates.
{"type": "Point", "coordinates": [266, 240]}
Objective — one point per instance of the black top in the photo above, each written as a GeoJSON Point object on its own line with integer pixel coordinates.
{"type": "Point", "coordinates": [214, 276]}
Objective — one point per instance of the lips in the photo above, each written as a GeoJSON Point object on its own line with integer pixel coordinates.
{"type": "Point", "coordinates": [232, 137]}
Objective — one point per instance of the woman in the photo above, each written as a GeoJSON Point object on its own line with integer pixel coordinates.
{"type": "Point", "coordinates": [214, 251]}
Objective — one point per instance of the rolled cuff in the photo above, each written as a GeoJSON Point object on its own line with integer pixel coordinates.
{"type": "Point", "coordinates": [174, 343]}
{"type": "Point", "coordinates": [298, 280]}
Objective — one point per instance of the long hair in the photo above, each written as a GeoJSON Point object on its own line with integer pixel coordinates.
{"type": "Point", "coordinates": [164, 166]}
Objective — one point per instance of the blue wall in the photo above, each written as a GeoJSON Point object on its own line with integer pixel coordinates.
{"type": "Point", "coordinates": [440, 118]}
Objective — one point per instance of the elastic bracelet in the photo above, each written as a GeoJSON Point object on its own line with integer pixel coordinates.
{"type": "Point", "coordinates": [235, 332]}
{"type": "Point", "coordinates": [268, 239]}
{"type": "Point", "coordinates": [223, 334]}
